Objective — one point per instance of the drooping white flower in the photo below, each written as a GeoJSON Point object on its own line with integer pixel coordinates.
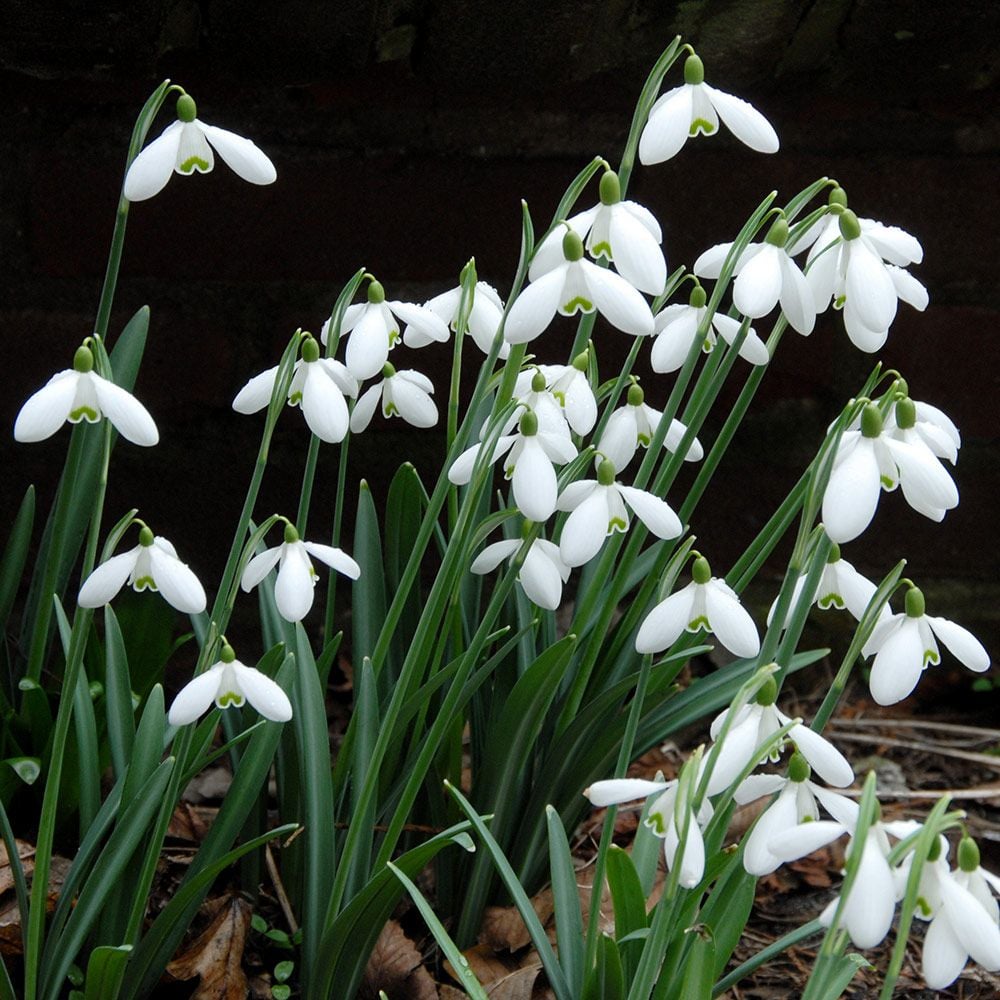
{"type": "Point", "coordinates": [151, 565]}
{"type": "Point", "coordinates": [695, 109]}
{"type": "Point", "coordinates": [755, 724]}
{"type": "Point", "coordinates": [765, 275]}
{"type": "Point", "coordinates": [293, 590]}
{"type": "Point", "coordinates": [929, 425]}
{"type": "Point", "coordinates": [529, 465]}
{"type": "Point", "coordinates": [840, 586]}
{"type": "Point", "coordinates": [560, 395]}
{"type": "Point", "coordinates": [623, 232]}
{"type": "Point", "coordinates": [577, 285]}
{"type": "Point", "coordinates": [904, 645]}
{"type": "Point", "coordinates": [634, 425]}
{"type": "Point", "coordinates": [373, 327]}
{"type": "Point", "coordinates": [599, 509]}
{"type": "Point", "coordinates": [484, 318]}
{"type": "Point", "coordinates": [869, 461]}
{"type": "Point", "coordinates": [79, 393]}
{"type": "Point", "coordinates": [861, 275]}
{"type": "Point", "coordinates": [318, 385]}
{"type": "Point", "coordinates": [677, 326]}
{"type": "Point", "coordinates": [185, 147]}
{"type": "Point", "coordinates": [229, 683]}
{"type": "Point", "coordinates": [706, 603]}
{"type": "Point", "coordinates": [964, 924]}
{"type": "Point", "coordinates": [542, 573]}
{"type": "Point", "coordinates": [405, 393]}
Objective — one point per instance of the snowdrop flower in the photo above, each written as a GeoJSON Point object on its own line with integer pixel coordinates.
{"type": "Point", "coordinates": [577, 285]}
{"type": "Point", "coordinates": [634, 425]}
{"type": "Point", "coordinates": [964, 924]}
{"type": "Point", "coordinates": [706, 603]}
{"type": "Point", "coordinates": [542, 573]}
{"type": "Point", "coordinates": [599, 509]}
{"type": "Point", "coordinates": [840, 586]}
{"type": "Point", "coordinates": [927, 424]}
{"type": "Point", "coordinates": [566, 386]}
{"type": "Point", "coordinates": [755, 724]}
{"type": "Point", "coordinates": [667, 818]}
{"type": "Point", "coordinates": [765, 276]}
{"type": "Point", "coordinates": [79, 393]}
{"type": "Point", "coordinates": [404, 393]}
{"type": "Point", "coordinates": [869, 460]}
{"type": "Point", "coordinates": [677, 326]}
{"type": "Point", "coordinates": [484, 318]}
{"type": "Point", "coordinates": [796, 803]}
{"type": "Point", "coordinates": [151, 565]}
{"type": "Point", "coordinates": [529, 465]}
{"type": "Point", "coordinates": [533, 390]}
{"type": "Point", "coordinates": [229, 682]}
{"type": "Point", "coordinates": [185, 147]}
{"type": "Point", "coordinates": [855, 275]}
{"type": "Point", "coordinates": [905, 644]}
{"type": "Point", "coordinates": [622, 232]}
{"type": "Point", "coordinates": [695, 109]}
{"type": "Point", "coordinates": [318, 385]}
{"type": "Point", "coordinates": [293, 590]}
{"type": "Point", "coordinates": [373, 329]}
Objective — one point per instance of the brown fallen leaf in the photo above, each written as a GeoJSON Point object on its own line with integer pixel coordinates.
{"type": "Point", "coordinates": [26, 852]}
{"type": "Point", "coordinates": [396, 966]}
{"type": "Point", "coordinates": [187, 823]}
{"type": "Point", "coordinates": [216, 956]}
{"type": "Point", "coordinates": [503, 927]}
{"type": "Point", "coordinates": [10, 916]}
{"type": "Point", "coordinates": [518, 985]}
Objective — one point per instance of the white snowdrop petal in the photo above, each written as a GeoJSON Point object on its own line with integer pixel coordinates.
{"type": "Point", "coordinates": [615, 791]}
{"type": "Point", "coordinates": [575, 493]}
{"type": "Point", "coordinates": [645, 217]}
{"type": "Point", "coordinates": [151, 169]}
{"type": "Point", "coordinates": [493, 555]}
{"type": "Point", "coordinates": [177, 582]}
{"type": "Point", "coordinates": [107, 579]}
{"type": "Point", "coordinates": [323, 405]}
{"type": "Point", "coordinates": [692, 869]}
{"type": "Point", "coordinates": [534, 483]}
{"type": "Point", "coordinates": [872, 900]}
{"type": "Point", "coordinates": [364, 409]}
{"type": "Point", "coordinates": [664, 624]}
{"type": "Point", "coordinates": [535, 307]}
{"type": "Point", "coordinates": [256, 394]}
{"type": "Point", "coordinates": [540, 579]}
{"type": "Point", "coordinates": [869, 288]}
{"type": "Point", "coordinates": [855, 589]}
{"type": "Point", "coordinates": [898, 665]}
{"type": "Point", "coordinates": [911, 291]}
{"type": "Point", "coordinates": [844, 810]}
{"type": "Point", "coordinates": [655, 513]}
{"type": "Point", "coordinates": [638, 257]}
{"type": "Point", "coordinates": [756, 786]}
{"type": "Point", "coordinates": [666, 129]}
{"type": "Point", "coordinates": [422, 320]}
{"type": "Point", "coordinates": [335, 558]}
{"type": "Point", "coordinates": [195, 698]}
{"type": "Point", "coordinates": [258, 567]}
{"type": "Point", "coordinates": [790, 845]}
{"type": "Point", "coordinates": [896, 245]}
{"type": "Point", "coordinates": [241, 155]}
{"type": "Point", "coordinates": [852, 493]}
{"type": "Point", "coordinates": [780, 815]}
{"type": "Point", "coordinates": [368, 345]}
{"type": "Point", "coordinates": [556, 448]}
{"type": "Point", "coordinates": [744, 121]}
{"type": "Point", "coordinates": [823, 757]}
{"type": "Point", "coordinates": [921, 476]}
{"type": "Point", "coordinates": [130, 418]}
{"type": "Point", "coordinates": [413, 402]}
{"type": "Point", "coordinates": [797, 302]}
{"type": "Point", "coordinates": [731, 622]}
{"type": "Point", "coordinates": [618, 302]}
{"type": "Point", "coordinates": [971, 924]}
{"type": "Point", "coordinates": [264, 694]}
{"type": "Point", "coordinates": [46, 410]}
{"type": "Point", "coordinates": [734, 753]}
{"type": "Point", "coordinates": [944, 957]}
{"type": "Point", "coordinates": [619, 439]}
{"type": "Point", "coordinates": [293, 590]}
{"type": "Point", "coordinates": [549, 253]}
{"type": "Point", "coordinates": [864, 339]}
{"type": "Point", "coordinates": [961, 643]}
{"type": "Point", "coordinates": [585, 529]}
{"type": "Point", "coordinates": [758, 285]}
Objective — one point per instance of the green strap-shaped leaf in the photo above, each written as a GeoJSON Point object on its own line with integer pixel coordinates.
{"type": "Point", "coordinates": [368, 607]}
{"type": "Point", "coordinates": [566, 901]}
{"type": "Point", "coordinates": [105, 972]}
{"type": "Point", "coordinates": [607, 979]}
{"type": "Point", "coordinates": [15, 553]}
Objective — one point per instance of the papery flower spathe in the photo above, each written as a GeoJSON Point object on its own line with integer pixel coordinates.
{"type": "Point", "coordinates": [577, 285]}
{"type": "Point", "coordinates": [79, 393]}
{"type": "Point", "coordinates": [542, 573]}
{"type": "Point", "coordinates": [634, 425]}
{"type": "Point", "coordinates": [293, 590]}
{"type": "Point", "coordinates": [530, 455]}
{"type": "Point", "coordinates": [151, 565]}
{"type": "Point", "coordinates": [405, 393]}
{"type": "Point", "coordinates": [484, 318]}
{"type": "Point", "coordinates": [186, 147]}
{"type": "Point", "coordinates": [229, 683]}
{"type": "Point", "coordinates": [706, 603]}
{"type": "Point", "coordinates": [318, 385]}
{"type": "Point", "coordinates": [677, 326]}
{"type": "Point", "coordinates": [904, 645]}
{"type": "Point", "coordinates": [695, 109]}
{"type": "Point", "coordinates": [868, 461]}
{"type": "Point", "coordinates": [599, 509]}
{"type": "Point", "coordinates": [373, 328]}
{"type": "Point", "coordinates": [765, 275]}
{"type": "Point", "coordinates": [623, 232]}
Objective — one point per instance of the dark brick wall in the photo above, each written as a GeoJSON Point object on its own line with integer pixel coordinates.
{"type": "Point", "coordinates": [405, 134]}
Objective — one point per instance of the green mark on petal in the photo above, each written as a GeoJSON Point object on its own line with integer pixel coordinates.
{"type": "Point", "coordinates": [295, 398]}
{"type": "Point", "coordinates": [700, 622]}
{"type": "Point", "coordinates": [643, 439]}
{"type": "Point", "coordinates": [700, 125]}
{"type": "Point", "coordinates": [390, 410]}
{"type": "Point", "coordinates": [144, 583]}
{"type": "Point", "coordinates": [616, 524]}
{"type": "Point", "coordinates": [233, 698]}
{"type": "Point", "coordinates": [578, 303]}
{"type": "Point", "coordinates": [655, 822]}
{"type": "Point", "coordinates": [831, 600]}
{"type": "Point", "coordinates": [84, 413]}
{"type": "Point", "coordinates": [886, 482]}
{"type": "Point", "coordinates": [602, 249]}
{"type": "Point", "coordinates": [931, 658]}
{"type": "Point", "coordinates": [193, 163]}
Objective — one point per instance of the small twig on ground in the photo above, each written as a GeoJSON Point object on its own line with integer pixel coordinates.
{"type": "Point", "coordinates": [279, 889]}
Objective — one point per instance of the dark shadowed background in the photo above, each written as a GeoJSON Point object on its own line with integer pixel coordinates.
{"type": "Point", "coordinates": [405, 134]}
